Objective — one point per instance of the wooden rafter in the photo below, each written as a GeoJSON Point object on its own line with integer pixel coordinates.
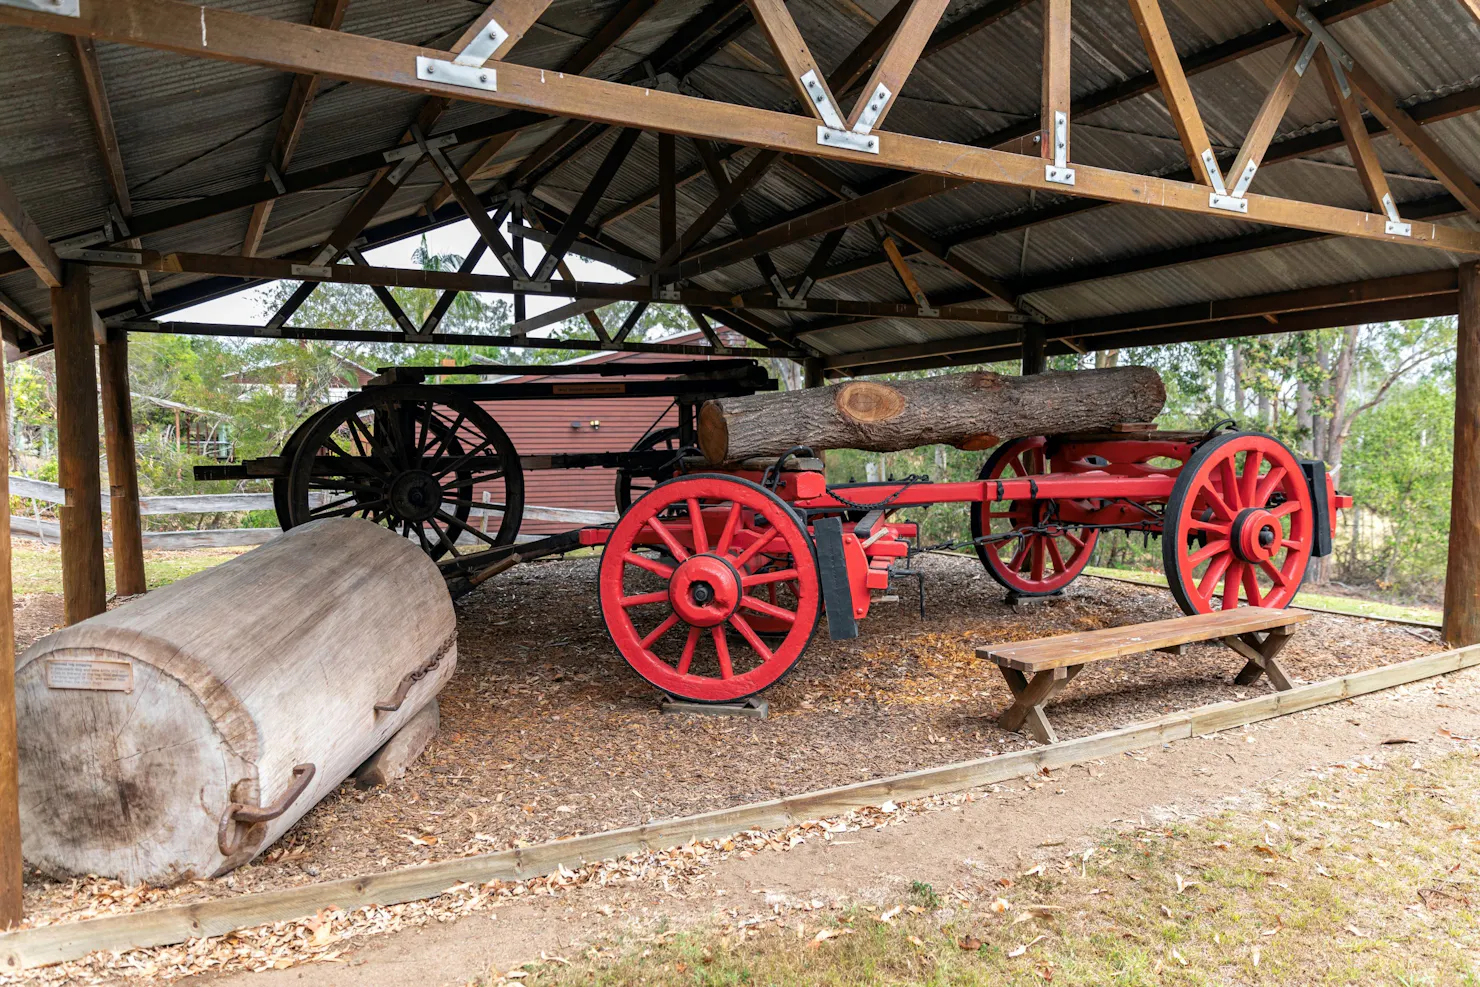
{"type": "Point", "coordinates": [100, 112]}
{"type": "Point", "coordinates": [18, 229]}
{"type": "Point", "coordinates": [1056, 95]}
{"type": "Point", "coordinates": [262, 268]}
{"type": "Point", "coordinates": [906, 276]}
{"type": "Point", "coordinates": [327, 14]}
{"type": "Point", "coordinates": [719, 175]}
{"type": "Point", "coordinates": [881, 91]}
{"type": "Point", "coordinates": [797, 64]}
{"type": "Point", "coordinates": [509, 18]}
{"type": "Point", "coordinates": [1473, 6]}
{"type": "Point", "coordinates": [1422, 144]}
{"type": "Point", "coordinates": [1174, 88]}
{"type": "Point", "coordinates": [1266, 122]}
{"type": "Point", "coordinates": [174, 26]}
{"type": "Point", "coordinates": [1358, 141]}
{"type": "Point", "coordinates": [586, 205]}
{"type": "Point", "coordinates": [611, 33]}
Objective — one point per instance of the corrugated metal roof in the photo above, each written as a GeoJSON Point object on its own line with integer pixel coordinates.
{"type": "Point", "coordinates": [189, 127]}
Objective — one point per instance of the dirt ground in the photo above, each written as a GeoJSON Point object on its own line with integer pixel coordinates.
{"type": "Point", "coordinates": [964, 847]}
{"type": "Point", "coordinates": [546, 733]}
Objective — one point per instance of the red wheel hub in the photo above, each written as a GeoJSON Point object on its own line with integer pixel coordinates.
{"type": "Point", "coordinates": [705, 591]}
{"type": "Point", "coordinates": [1256, 535]}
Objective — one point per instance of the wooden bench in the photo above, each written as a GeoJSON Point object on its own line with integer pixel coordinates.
{"type": "Point", "coordinates": [1256, 633]}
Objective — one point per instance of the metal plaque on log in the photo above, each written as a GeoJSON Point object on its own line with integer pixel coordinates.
{"type": "Point", "coordinates": [97, 674]}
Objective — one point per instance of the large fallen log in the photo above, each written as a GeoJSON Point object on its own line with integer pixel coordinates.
{"type": "Point", "coordinates": [968, 411]}
{"type": "Point", "coordinates": [180, 734]}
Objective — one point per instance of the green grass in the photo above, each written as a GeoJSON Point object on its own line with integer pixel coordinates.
{"type": "Point", "coordinates": [1340, 604]}
{"type": "Point", "coordinates": [1366, 877]}
{"type": "Point", "coordinates": [37, 568]}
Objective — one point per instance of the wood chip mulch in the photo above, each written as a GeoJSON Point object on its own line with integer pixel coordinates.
{"type": "Point", "coordinates": [546, 733]}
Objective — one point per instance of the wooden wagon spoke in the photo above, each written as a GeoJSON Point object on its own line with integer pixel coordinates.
{"type": "Point", "coordinates": [1273, 572]}
{"type": "Point", "coordinates": [644, 599]}
{"type": "Point", "coordinates": [1268, 483]}
{"type": "Point", "coordinates": [666, 537]}
{"type": "Point", "coordinates": [1231, 580]}
{"type": "Point", "coordinates": [473, 530]}
{"type": "Point", "coordinates": [727, 533]}
{"type": "Point", "coordinates": [753, 639]}
{"type": "Point", "coordinates": [657, 632]}
{"type": "Point", "coordinates": [722, 652]}
{"type": "Point", "coordinates": [1209, 583]}
{"type": "Point", "coordinates": [764, 578]}
{"type": "Point", "coordinates": [686, 657]}
{"type": "Point", "coordinates": [762, 607]}
{"type": "Point", "coordinates": [463, 459]}
{"type": "Point", "coordinates": [762, 542]}
{"type": "Point", "coordinates": [697, 533]}
{"type": "Point", "coordinates": [651, 565]}
{"type": "Point", "coordinates": [1209, 550]}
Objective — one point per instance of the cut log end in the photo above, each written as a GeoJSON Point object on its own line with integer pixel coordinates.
{"type": "Point", "coordinates": [867, 402]}
{"type": "Point", "coordinates": [714, 432]}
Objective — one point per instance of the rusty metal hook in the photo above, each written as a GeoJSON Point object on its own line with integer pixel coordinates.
{"type": "Point", "coordinates": [239, 817]}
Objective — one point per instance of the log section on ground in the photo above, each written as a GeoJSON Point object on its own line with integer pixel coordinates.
{"type": "Point", "coordinates": [142, 727]}
{"type": "Point", "coordinates": [969, 411]}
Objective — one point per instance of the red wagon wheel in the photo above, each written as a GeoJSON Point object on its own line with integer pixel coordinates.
{"type": "Point", "coordinates": [689, 569]}
{"type": "Point", "coordinates": [1035, 564]}
{"type": "Point", "coordinates": [1240, 514]}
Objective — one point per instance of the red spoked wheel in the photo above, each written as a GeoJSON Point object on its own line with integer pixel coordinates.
{"type": "Point", "coordinates": [1240, 514]}
{"type": "Point", "coordinates": [690, 571]}
{"type": "Point", "coordinates": [1035, 564]}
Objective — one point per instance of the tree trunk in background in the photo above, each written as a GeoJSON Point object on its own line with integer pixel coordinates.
{"type": "Point", "coordinates": [1263, 410]}
{"type": "Point", "coordinates": [1238, 384]}
{"type": "Point", "coordinates": [968, 411]}
{"type": "Point", "coordinates": [1302, 412]}
{"type": "Point", "coordinates": [1107, 358]}
{"type": "Point", "coordinates": [1220, 382]}
{"type": "Point", "coordinates": [1320, 420]}
{"type": "Point", "coordinates": [1341, 378]}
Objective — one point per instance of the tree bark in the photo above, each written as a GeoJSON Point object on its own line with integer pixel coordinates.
{"type": "Point", "coordinates": [968, 411]}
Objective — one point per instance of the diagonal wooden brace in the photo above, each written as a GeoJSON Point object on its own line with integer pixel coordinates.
{"type": "Point", "coordinates": [1260, 652]}
{"type": "Point", "coordinates": [1030, 696]}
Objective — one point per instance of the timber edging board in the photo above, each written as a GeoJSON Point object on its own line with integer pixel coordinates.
{"type": "Point", "coordinates": [28, 948]}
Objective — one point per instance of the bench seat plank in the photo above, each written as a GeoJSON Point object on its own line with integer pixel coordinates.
{"type": "Point", "coordinates": [1116, 642]}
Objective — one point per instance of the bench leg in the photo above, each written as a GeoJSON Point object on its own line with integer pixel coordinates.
{"type": "Point", "coordinates": [1029, 698]}
{"type": "Point", "coordinates": [1260, 653]}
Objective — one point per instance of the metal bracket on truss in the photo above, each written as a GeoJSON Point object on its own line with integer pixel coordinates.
{"type": "Point", "coordinates": [1059, 172]}
{"type": "Point", "coordinates": [1228, 203]}
{"type": "Point", "coordinates": [66, 8]}
{"type": "Point", "coordinates": [312, 271]}
{"type": "Point", "coordinates": [1246, 179]}
{"type": "Point", "coordinates": [1395, 225]}
{"type": "Point", "coordinates": [870, 114]}
{"type": "Point", "coordinates": [482, 47]}
{"type": "Point", "coordinates": [818, 93]}
{"type": "Point", "coordinates": [100, 256]}
{"type": "Point", "coordinates": [786, 301]}
{"type": "Point", "coordinates": [1341, 62]}
{"type": "Point", "coordinates": [453, 74]}
{"type": "Point", "coordinates": [867, 143]}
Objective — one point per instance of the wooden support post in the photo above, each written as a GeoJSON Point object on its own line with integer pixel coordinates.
{"type": "Point", "coordinates": [84, 590]}
{"type": "Point", "coordinates": [123, 473]}
{"type": "Point", "coordinates": [1462, 573]}
{"type": "Point", "coordinates": [10, 813]}
{"type": "Point", "coordinates": [812, 375]}
{"type": "Point", "coordinates": [1035, 360]}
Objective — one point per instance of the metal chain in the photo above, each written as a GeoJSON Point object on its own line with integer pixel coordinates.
{"type": "Point", "coordinates": [907, 482]}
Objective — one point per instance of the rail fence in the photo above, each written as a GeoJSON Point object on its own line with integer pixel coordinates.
{"type": "Point", "coordinates": [39, 491]}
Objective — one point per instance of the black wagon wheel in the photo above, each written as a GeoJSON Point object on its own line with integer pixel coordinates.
{"type": "Point", "coordinates": [414, 459]}
{"type": "Point", "coordinates": [280, 500]}
{"type": "Point", "coordinates": [632, 484]}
